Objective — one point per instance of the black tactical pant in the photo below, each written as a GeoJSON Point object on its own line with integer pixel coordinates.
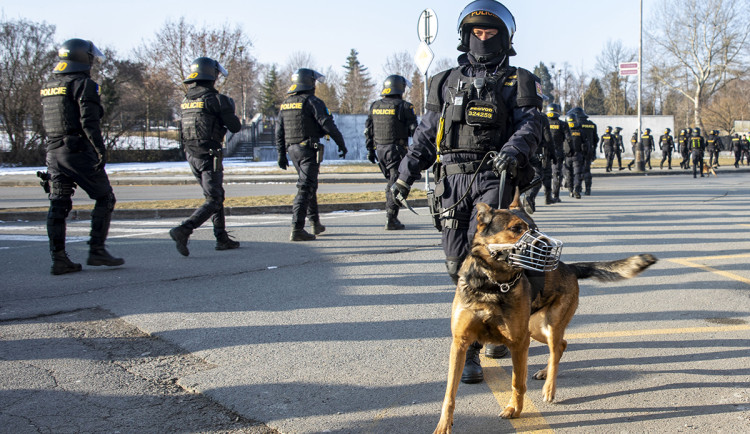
{"type": "Point", "coordinates": [618, 153]}
{"type": "Point", "coordinates": [666, 156]}
{"type": "Point", "coordinates": [573, 169]}
{"type": "Point", "coordinates": [647, 158]}
{"type": "Point", "coordinates": [66, 169]}
{"type": "Point", "coordinates": [697, 157]}
{"type": "Point", "coordinates": [586, 172]}
{"type": "Point", "coordinates": [389, 157]}
{"type": "Point", "coordinates": [461, 225]}
{"type": "Point", "coordinates": [609, 155]}
{"type": "Point", "coordinates": [685, 158]}
{"type": "Point", "coordinates": [543, 171]}
{"type": "Point", "coordinates": [713, 157]}
{"type": "Point", "coordinates": [305, 160]}
{"type": "Point", "coordinates": [557, 176]}
{"type": "Point", "coordinates": [213, 190]}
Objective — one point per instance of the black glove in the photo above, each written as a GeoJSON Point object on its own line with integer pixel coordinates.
{"type": "Point", "coordinates": [342, 152]}
{"type": "Point", "coordinates": [102, 162]}
{"type": "Point", "coordinates": [505, 161]}
{"type": "Point", "coordinates": [371, 156]}
{"type": "Point", "coordinates": [400, 189]}
{"type": "Point", "coordinates": [283, 161]}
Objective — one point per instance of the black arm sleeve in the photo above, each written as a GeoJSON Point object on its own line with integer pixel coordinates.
{"type": "Point", "coordinates": [369, 141]}
{"type": "Point", "coordinates": [422, 153]}
{"type": "Point", "coordinates": [87, 94]}
{"type": "Point", "coordinates": [280, 139]}
{"type": "Point", "coordinates": [325, 120]}
{"type": "Point", "coordinates": [226, 112]}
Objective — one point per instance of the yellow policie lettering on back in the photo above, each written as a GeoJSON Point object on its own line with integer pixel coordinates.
{"type": "Point", "coordinates": [387, 112]}
{"type": "Point", "coordinates": [192, 105]}
{"type": "Point", "coordinates": [52, 91]}
{"type": "Point", "coordinates": [292, 106]}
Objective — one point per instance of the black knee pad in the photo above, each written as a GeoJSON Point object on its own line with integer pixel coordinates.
{"type": "Point", "coordinates": [59, 208]}
{"type": "Point", "coordinates": [106, 203]}
{"type": "Point", "coordinates": [214, 204]}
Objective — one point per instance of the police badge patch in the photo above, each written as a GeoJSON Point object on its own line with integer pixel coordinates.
{"type": "Point", "coordinates": [539, 90]}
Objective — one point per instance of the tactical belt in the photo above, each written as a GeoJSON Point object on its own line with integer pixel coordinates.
{"type": "Point", "coordinates": [402, 143]}
{"type": "Point", "coordinates": [468, 167]}
{"type": "Point", "coordinates": [309, 143]}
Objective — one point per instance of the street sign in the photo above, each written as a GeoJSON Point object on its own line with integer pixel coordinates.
{"type": "Point", "coordinates": [423, 57]}
{"type": "Point", "coordinates": [427, 26]}
{"type": "Point", "coordinates": [629, 68]}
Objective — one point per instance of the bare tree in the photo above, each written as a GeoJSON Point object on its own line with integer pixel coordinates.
{"type": "Point", "coordinates": [727, 105]}
{"type": "Point", "coordinates": [615, 87]}
{"type": "Point", "coordinates": [699, 43]}
{"type": "Point", "coordinates": [400, 63]}
{"type": "Point", "coordinates": [27, 55]}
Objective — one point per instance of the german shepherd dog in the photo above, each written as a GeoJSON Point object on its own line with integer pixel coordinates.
{"type": "Point", "coordinates": [483, 312]}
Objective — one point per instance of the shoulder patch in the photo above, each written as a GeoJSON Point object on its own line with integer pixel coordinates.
{"type": "Point", "coordinates": [529, 89]}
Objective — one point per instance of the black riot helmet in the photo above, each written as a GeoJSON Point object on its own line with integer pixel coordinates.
{"type": "Point", "coordinates": [617, 130]}
{"type": "Point", "coordinates": [304, 79]}
{"type": "Point", "coordinates": [715, 132]}
{"type": "Point", "coordinates": [696, 132]}
{"type": "Point", "coordinates": [395, 85]}
{"type": "Point", "coordinates": [572, 120]}
{"type": "Point", "coordinates": [683, 132]}
{"type": "Point", "coordinates": [667, 131]}
{"type": "Point", "coordinates": [553, 110]}
{"type": "Point", "coordinates": [205, 69]}
{"type": "Point", "coordinates": [608, 130]}
{"type": "Point", "coordinates": [580, 114]}
{"type": "Point", "coordinates": [487, 14]}
{"type": "Point", "coordinates": [76, 55]}
{"type": "Point", "coordinates": [648, 131]}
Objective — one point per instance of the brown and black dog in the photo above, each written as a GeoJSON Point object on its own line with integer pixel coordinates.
{"type": "Point", "coordinates": [482, 312]}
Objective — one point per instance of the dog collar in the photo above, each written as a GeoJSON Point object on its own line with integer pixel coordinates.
{"type": "Point", "coordinates": [506, 286]}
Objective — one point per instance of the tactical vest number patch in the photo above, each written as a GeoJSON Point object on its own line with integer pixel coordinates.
{"type": "Point", "coordinates": [480, 113]}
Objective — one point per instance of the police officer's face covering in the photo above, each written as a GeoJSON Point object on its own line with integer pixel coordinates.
{"type": "Point", "coordinates": [487, 50]}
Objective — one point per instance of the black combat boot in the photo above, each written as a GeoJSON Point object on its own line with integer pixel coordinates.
{"type": "Point", "coordinates": [180, 235]}
{"type": "Point", "coordinates": [588, 192]}
{"type": "Point", "coordinates": [529, 204]}
{"type": "Point", "coordinates": [472, 369]}
{"type": "Point", "coordinates": [224, 242]}
{"type": "Point", "coordinates": [495, 351]}
{"type": "Point", "coordinates": [61, 263]}
{"type": "Point", "coordinates": [98, 255]}
{"type": "Point", "coordinates": [548, 199]}
{"type": "Point", "coordinates": [301, 235]}
{"type": "Point", "coordinates": [577, 194]}
{"type": "Point", "coordinates": [393, 224]}
{"type": "Point", "coordinates": [317, 227]}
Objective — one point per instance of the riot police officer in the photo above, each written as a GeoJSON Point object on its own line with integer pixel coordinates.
{"type": "Point", "coordinates": [607, 146]}
{"type": "Point", "coordinates": [541, 161]}
{"type": "Point", "coordinates": [647, 141]}
{"type": "Point", "coordinates": [206, 117]}
{"type": "Point", "coordinates": [483, 119]}
{"type": "Point", "coordinates": [684, 142]}
{"type": "Point", "coordinates": [76, 154]}
{"type": "Point", "coordinates": [303, 120]}
{"type": "Point", "coordinates": [590, 139]}
{"type": "Point", "coordinates": [634, 143]}
{"type": "Point", "coordinates": [745, 154]}
{"type": "Point", "coordinates": [390, 123]}
{"type": "Point", "coordinates": [697, 147]}
{"type": "Point", "coordinates": [558, 129]}
{"type": "Point", "coordinates": [666, 144]}
{"type": "Point", "coordinates": [619, 147]}
{"type": "Point", "coordinates": [713, 147]}
{"type": "Point", "coordinates": [737, 148]}
{"type": "Point", "coordinates": [574, 155]}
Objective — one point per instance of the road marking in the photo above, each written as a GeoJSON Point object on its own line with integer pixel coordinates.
{"type": "Point", "coordinates": [670, 331]}
{"type": "Point", "coordinates": [499, 381]}
{"type": "Point", "coordinates": [691, 262]}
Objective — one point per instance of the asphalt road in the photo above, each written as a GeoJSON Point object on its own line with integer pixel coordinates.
{"type": "Point", "coordinates": [350, 333]}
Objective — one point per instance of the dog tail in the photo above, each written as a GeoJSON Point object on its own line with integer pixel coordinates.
{"type": "Point", "coordinates": [613, 270]}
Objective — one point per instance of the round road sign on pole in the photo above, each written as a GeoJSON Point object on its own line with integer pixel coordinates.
{"type": "Point", "coordinates": [427, 27]}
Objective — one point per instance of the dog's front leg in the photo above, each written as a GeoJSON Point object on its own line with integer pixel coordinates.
{"type": "Point", "coordinates": [456, 365]}
{"type": "Point", "coordinates": [519, 352]}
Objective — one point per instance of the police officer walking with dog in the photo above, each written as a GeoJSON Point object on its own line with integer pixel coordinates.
{"type": "Point", "coordinates": [206, 117]}
{"type": "Point", "coordinates": [76, 154]}
{"type": "Point", "coordinates": [390, 123]}
{"type": "Point", "coordinates": [303, 120]}
{"type": "Point", "coordinates": [483, 119]}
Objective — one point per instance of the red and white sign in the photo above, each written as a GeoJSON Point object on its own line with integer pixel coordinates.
{"type": "Point", "coordinates": [629, 68]}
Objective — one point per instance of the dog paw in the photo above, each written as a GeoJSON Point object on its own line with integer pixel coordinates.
{"type": "Point", "coordinates": [540, 374]}
{"type": "Point", "coordinates": [442, 429]}
{"type": "Point", "coordinates": [509, 413]}
{"type": "Point", "coordinates": [548, 393]}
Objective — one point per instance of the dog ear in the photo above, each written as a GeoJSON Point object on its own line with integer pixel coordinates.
{"type": "Point", "coordinates": [516, 204]}
{"type": "Point", "coordinates": [484, 214]}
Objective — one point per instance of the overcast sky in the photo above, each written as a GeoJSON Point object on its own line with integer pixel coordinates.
{"type": "Point", "coordinates": [549, 31]}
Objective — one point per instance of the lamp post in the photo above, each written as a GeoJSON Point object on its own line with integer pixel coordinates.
{"type": "Point", "coordinates": [241, 48]}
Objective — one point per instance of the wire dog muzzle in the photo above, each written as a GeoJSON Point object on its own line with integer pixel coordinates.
{"type": "Point", "coordinates": [534, 251]}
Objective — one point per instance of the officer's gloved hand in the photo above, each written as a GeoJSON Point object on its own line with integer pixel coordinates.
{"type": "Point", "coordinates": [342, 152]}
{"type": "Point", "coordinates": [400, 190]}
{"type": "Point", "coordinates": [283, 162]}
{"type": "Point", "coordinates": [505, 161]}
{"type": "Point", "coordinates": [371, 156]}
{"type": "Point", "coordinates": [101, 163]}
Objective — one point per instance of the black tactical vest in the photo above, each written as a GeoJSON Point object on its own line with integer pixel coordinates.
{"type": "Point", "coordinates": [388, 128]}
{"type": "Point", "coordinates": [557, 128]}
{"type": "Point", "coordinates": [476, 119]}
{"type": "Point", "coordinates": [575, 144]}
{"type": "Point", "coordinates": [297, 126]}
{"type": "Point", "coordinates": [736, 143]}
{"type": "Point", "coordinates": [664, 140]}
{"type": "Point", "coordinates": [587, 128]}
{"type": "Point", "coordinates": [608, 141]}
{"type": "Point", "coordinates": [62, 115]}
{"type": "Point", "coordinates": [695, 142]}
{"type": "Point", "coordinates": [200, 124]}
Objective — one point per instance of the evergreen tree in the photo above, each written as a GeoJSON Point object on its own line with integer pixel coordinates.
{"type": "Point", "coordinates": [593, 98]}
{"type": "Point", "coordinates": [542, 72]}
{"type": "Point", "coordinates": [416, 93]}
{"type": "Point", "coordinates": [270, 96]}
{"type": "Point", "coordinates": [358, 86]}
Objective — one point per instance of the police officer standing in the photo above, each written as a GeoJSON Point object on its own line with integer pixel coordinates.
{"type": "Point", "coordinates": [483, 118]}
{"type": "Point", "coordinates": [634, 147]}
{"type": "Point", "coordinates": [590, 139]}
{"type": "Point", "coordinates": [390, 123]}
{"type": "Point", "coordinates": [574, 155]}
{"type": "Point", "coordinates": [697, 147]}
{"type": "Point", "coordinates": [619, 147]}
{"type": "Point", "coordinates": [206, 117]}
{"type": "Point", "coordinates": [713, 146]}
{"type": "Point", "coordinates": [76, 154]}
{"type": "Point", "coordinates": [737, 148]}
{"type": "Point", "coordinates": [558, 130]}
{"type": "Point", "coordinates": [666, 144]}
{"type": "Point", "coordinates": [303, 120]}
{"type": "Point", "coordinates": [647, 141]}
{"type": "Point", "coordinates": [607, 146]}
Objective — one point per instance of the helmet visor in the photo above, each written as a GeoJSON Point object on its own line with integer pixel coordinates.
{"type": "Point", "coordinates": [96, 53]}
{"type": "Point", "coordinates": [221, 69]}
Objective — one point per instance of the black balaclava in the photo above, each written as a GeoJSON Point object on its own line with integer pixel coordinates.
{"type": "Point", "coordinates": [489, 51]}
